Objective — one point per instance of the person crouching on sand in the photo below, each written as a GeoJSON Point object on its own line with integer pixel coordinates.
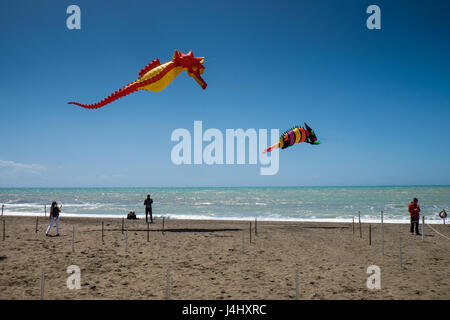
{"type": "Point", "coordinates": [148, 209]}
{"type": "Point", "coordinates": [54, 217]}
{"type": "Point", "coordinates": [414, 212]}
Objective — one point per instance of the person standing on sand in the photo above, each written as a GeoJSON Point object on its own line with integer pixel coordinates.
{"type": "Point", "coordinates": [148, 208]}
{"type": "Point", "coordinates": [54, 217]}
{"type": "Point", "coordinates": [414, 212]}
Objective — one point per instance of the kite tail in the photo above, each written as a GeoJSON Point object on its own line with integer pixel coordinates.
{"type": "Point", "coordinates": [269, 149]}
{"type": "Point", "coordinates": [130, 88]}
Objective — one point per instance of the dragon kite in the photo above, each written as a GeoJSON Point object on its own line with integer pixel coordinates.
{"type": "Point", "coordinates": [295, 135]}
{"type": "Point", "coordinates": [156, 76]}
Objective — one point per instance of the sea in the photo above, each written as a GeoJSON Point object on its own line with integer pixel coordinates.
{"type": "Point", "coordinates": [327, 204]}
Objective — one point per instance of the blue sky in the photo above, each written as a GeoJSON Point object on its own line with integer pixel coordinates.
{"type": "Point", "coordinates": [379, 100]}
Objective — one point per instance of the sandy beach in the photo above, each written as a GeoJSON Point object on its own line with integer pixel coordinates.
{"type": "Point", "coordinates": [207, 260]}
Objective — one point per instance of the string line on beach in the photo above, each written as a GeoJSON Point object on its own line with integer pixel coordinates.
{"type": "Point", "coordinates": [437, 232]}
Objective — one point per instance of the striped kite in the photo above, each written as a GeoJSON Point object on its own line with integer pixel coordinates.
{"type": "Point", "coordinates": [295, 135]}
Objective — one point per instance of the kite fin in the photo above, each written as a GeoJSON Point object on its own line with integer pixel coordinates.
{"type": "Point", "coordinates": [149, 67]}
{"type": "Point", "coordinates": [307, 127]}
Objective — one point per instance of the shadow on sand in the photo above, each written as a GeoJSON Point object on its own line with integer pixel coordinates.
{"type": "Point", "coordinates": [324, 227]}
{"type": "Point", "coordinates": [181, 230]}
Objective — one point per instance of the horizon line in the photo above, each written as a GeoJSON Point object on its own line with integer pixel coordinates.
{"type": "Point", "coordinates": [204, 187]}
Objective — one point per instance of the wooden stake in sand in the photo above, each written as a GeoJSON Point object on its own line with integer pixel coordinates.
{"type": "Point", "coordinates": [37, 223]}
{"type": "Point", "coordinates": [400, 244]}
{"type": "Point", "coordinates": [168, 283]}
{"type": "Point", "coordinates": [42, 284]}
{"type": "Point", "coordinates": [2, 208]}
{"type": "Point", "coordinates": [423, 227]}
{"type": "Point", "coordinates": [382, 233]}
{"type": "Point", "coordinates": [250, 232]}
{"type": "Point", "coordinates": [297, 295]}
{"type": "Point", "coordinates": [126, 241]}
{"type": "Point", "coordinates": [45, 210]}
{"type": "Point", "coordinates": [122, 225]}
{"type": "Point", "coordinates": [73, 239]}
{"type": "Point", "coordinates": [359, 219]}
{"type": "Point", "coordinates": [370, 234]}
{"type": "Point", "coordinates": [163, 226]}
{"type": "Point", "coordinates": [148, 232]}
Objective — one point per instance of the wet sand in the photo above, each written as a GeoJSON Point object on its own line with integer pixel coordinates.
{"type": "Point", "coordinates": [207, 260]}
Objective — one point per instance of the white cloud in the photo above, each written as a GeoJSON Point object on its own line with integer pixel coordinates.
{"type": "Point", "coordinates": [17, 167]}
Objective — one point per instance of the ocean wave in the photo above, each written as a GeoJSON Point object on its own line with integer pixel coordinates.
{"type": "Point", "coordinates": [277, 204]}
{"type": "Point", "coordinates": [25, 205]}
{"type": "Point", "coordinates": [271, 217]}
{"type": "Point", "coordinates": [396, 205]}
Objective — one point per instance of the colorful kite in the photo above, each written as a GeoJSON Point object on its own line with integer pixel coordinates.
{"type": "Point", "coordinates": [295, 135]}
{"type": "Point", "coordinates": [156, 76]}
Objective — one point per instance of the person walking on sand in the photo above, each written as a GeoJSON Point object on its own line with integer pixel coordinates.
{"type": "Point", "coordinates": [148, 209]}
{"type": "Point", "coordinates": [54, 217]}
{"type": "Point", "coordinates": [414, 212]}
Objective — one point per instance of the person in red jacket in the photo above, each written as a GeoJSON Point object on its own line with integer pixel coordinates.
{"type": "Point", "coordinates": [414, 213]}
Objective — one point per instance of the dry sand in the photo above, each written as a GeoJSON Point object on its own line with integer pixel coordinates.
{"type": "Point", "coordinates": [206, 260]}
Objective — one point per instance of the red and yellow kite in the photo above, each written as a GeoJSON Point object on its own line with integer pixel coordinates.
{"type": "Point", "coordinates": [156, 76]}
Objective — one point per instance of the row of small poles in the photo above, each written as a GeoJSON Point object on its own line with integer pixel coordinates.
{"type": "Point", "coordinates": [243, 242]}
{"type": "Point", "coordinates": [382, 234]}
{"type": "Point", "coordinates": [126, 235]}
{"type": "Point", "coordinates": [125, 230]}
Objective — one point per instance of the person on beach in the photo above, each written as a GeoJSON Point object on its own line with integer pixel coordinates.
{"type": "Point", "coordinates": [414, 212]}
{"type": "Point", "coordinates": [54, 217]}
{"type": "Point", "coordinates": [132, 216]}
{"type": "Point", "coordinates": [148, 208]}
